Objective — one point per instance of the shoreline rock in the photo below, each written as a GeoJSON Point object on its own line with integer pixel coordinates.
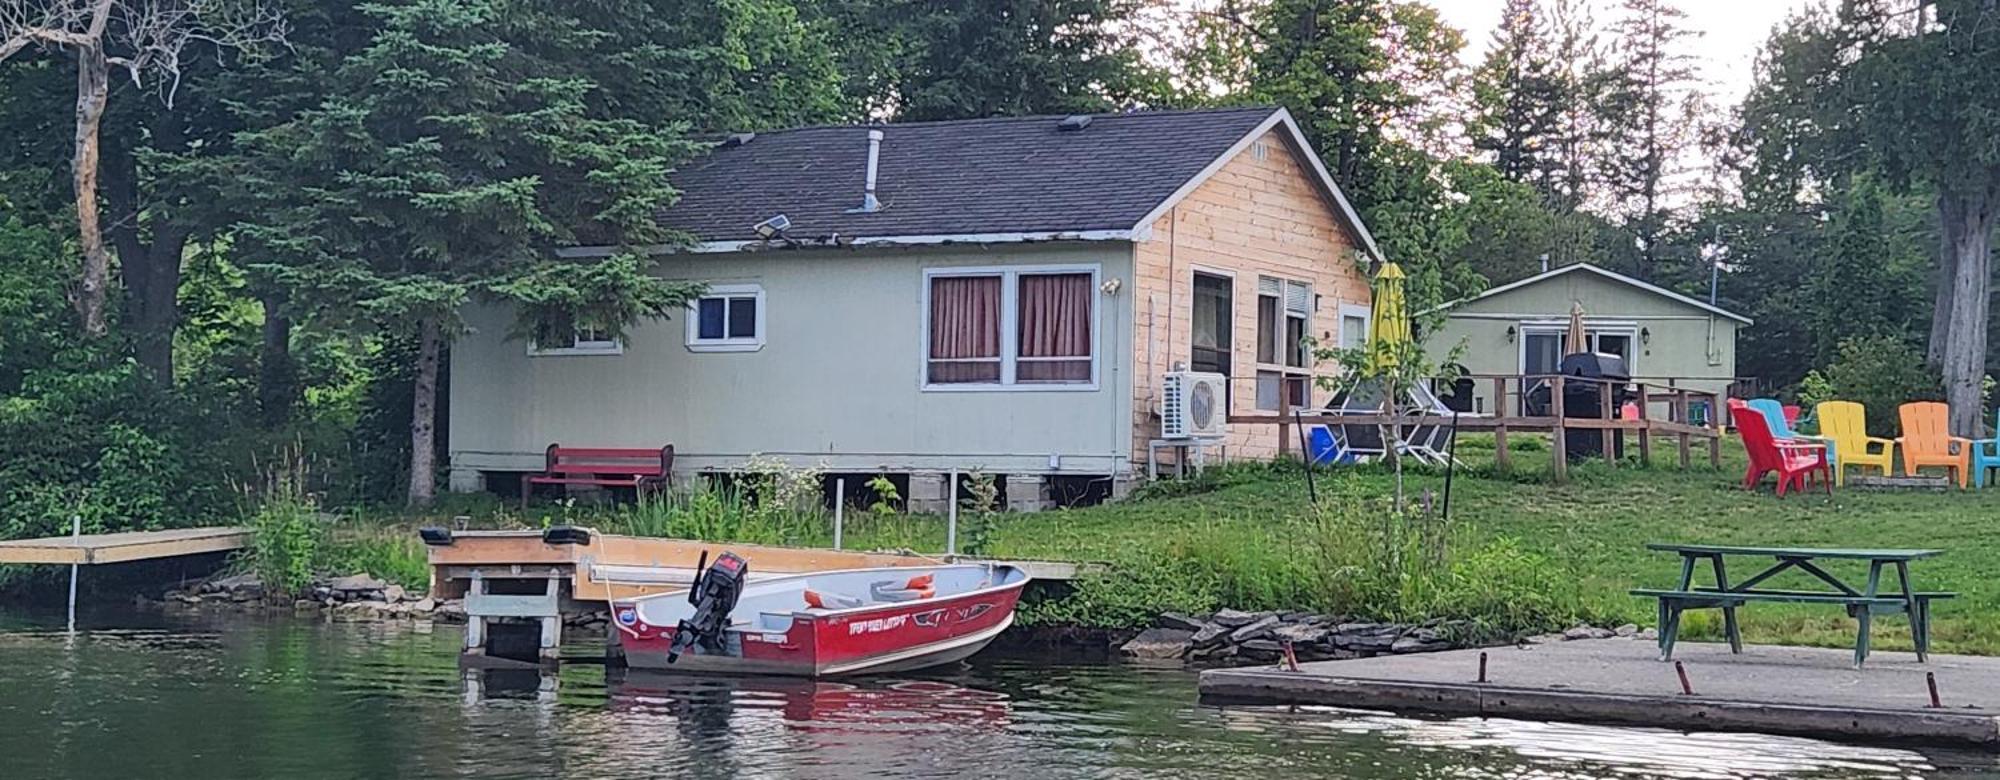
{"type": "Point", "coordinates": [1230, 636]}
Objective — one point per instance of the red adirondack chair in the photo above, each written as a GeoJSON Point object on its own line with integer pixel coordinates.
{"type": "Point", "coordinates": [1795, 462]}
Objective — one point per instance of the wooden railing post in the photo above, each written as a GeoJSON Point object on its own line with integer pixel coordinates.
{"type": "Point", "coordinates": [1501, 461]}
{"type": "Point", "coordinates": [1284, 413]}
{"type": "Point", "coordinates": [1607, 438]}
{"type": "Point", "coordinates": [1645, 426]}
{"type": "Point", "coordinates": [1680, 413]}
{"type": "Point", "coordinates": [1715, 428]}
{"type": "Point", "coordinates": [1561, 443]}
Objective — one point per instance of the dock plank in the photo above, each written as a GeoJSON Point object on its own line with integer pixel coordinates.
{"type": "Point", "coordinates": [90, 549]}
{"type": "Point", "coordinates": [1785, 690]}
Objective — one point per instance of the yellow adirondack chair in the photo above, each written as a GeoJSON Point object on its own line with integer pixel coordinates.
{"type": "Point", "coordinates": [1846, 423]}
{"type": "Point", "coordinates": [1927, 440]}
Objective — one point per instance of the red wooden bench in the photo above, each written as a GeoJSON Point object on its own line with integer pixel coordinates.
{"type": "Point", "coordinates": [608, 466]}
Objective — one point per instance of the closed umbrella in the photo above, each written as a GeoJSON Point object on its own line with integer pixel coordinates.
{"type": "Point", "coordinates": [1389, 323]}
{"type": "Point", "coordinates": [1577, 340]}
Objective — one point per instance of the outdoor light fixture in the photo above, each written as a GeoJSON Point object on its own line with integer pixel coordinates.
{"type": "Point", "coordinates": [1510, 334]}
{"type": "Point", "coordinates": [1645, 335]}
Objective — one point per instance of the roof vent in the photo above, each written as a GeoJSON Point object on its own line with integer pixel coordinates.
{"type": "Point", "coordinates": [1073, 123]}
{"type": "Point", "coordinates": [737, 139]}
{"type": "Point", "coordinates": [869, 204]}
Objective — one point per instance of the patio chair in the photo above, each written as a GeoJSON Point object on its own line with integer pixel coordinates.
{"type": "Point", "coordinates": [1927, 441]}
{"type": "Point", "coordinates": [1794, 462]}
{"type": "Point", "coordinates": [1845, 424]}
{"type": "Point", "coordinates": [1781, 425]}
{"type": "Point", "coordinates": [1986, 454]}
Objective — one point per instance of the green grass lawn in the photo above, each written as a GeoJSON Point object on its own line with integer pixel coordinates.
{"type": "Point", "coordinates": [1248, 525]}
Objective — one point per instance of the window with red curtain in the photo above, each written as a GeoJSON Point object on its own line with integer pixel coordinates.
{"type": "Point", "coordinates": [965, 330]}
{"type": "Point", "coordinates": [1054, 318]}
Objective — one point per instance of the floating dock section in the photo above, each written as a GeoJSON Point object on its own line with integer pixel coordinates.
{"type": "Point", "coordinates": [1782, 690]}
{"type": "Point", "coordinates": [91, 549]}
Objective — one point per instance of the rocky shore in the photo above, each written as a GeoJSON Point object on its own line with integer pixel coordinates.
{"type": "Point", "coordinates": [1231, 636]}
{"type": "Point", "coordinates": [355, 597]}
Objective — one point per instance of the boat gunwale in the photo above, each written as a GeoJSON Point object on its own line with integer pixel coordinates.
{"type": "Point", "coordinates": [865, 608]}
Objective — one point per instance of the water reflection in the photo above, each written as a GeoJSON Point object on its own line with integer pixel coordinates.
{"type": "Point", "coordinates": [176, 696]}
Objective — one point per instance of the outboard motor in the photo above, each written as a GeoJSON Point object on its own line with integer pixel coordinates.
{"type": "Point", "coordinates": [713, 595]}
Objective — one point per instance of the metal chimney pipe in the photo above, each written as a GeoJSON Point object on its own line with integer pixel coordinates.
{"type": "Point", "coordinates": [868, 201]}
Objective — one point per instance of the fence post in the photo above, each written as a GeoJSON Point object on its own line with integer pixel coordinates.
{"type": "Point", "coordinates": [1284, 413]}
{"type": "Point", "coordinates": [1561, 443]}
{"type": "Point", "coordinates": [1715, 422]}
{"type": "Point", "coordinates": [839, 508]}
{"type": "Point", "coordinates": [1607, 438]}
{"type": "Point", "coordinates": [1645, 426]}
{"type": "Point", "coordinates": [1501, 460]}
{"type": "Point", "coordinates": [1680, 414]}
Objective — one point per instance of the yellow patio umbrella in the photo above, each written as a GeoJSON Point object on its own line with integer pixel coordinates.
{"type": "Point", "coordinates": [1389, 323]}
{"type": "Point", "coordinates": [1576, 340]}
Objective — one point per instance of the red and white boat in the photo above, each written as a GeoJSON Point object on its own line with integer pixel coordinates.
{"type": "Point", "coordinates": [852, 621]}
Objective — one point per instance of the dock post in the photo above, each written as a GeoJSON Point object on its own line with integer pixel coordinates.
{"type": "Point", "coordinates": [951, 515]}
{"type": "Point", "coordinates": [75, 532]}
{"type": "Point", "coordinates": [839, 507]}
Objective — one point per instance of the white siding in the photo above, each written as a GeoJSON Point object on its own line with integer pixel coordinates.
{"type": "Point", "coordinates": [837, 382]}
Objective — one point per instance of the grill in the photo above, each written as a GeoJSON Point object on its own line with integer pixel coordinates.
{"type": "Point", "coordinates": [1584, 400]}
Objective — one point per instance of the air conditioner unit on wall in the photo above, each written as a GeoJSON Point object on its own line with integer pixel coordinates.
{"type": "Point", "coordinates": [1193, 405]}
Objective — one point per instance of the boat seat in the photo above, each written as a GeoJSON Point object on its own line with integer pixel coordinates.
{"type": "Point", "coordinates": [824, 600]}
{"type": "Point", "coordinates": [912, 589]}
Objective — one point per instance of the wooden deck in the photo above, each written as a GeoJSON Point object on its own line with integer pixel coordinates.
{"type": "Point", "coordinates": [121, 547]}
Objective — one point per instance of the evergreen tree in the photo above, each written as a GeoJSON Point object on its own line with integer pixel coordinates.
{"type": "Point", "coordinates": [916, 60]}
{"type": "Point", "coordinates": [446, 162]}
{"type": "Point", "coordinates": [1517, 97]}
{"type": "Point", "coordinates": [1649, 107]}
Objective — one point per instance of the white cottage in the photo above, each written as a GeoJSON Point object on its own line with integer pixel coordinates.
{"type": "Point", "coordinates": [996, 294]}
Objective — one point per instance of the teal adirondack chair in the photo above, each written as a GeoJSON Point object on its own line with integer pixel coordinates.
{"type": "Point", "coordinates": [1986, 454]}
{"type": "Point", "coordinates": [1774, 413]}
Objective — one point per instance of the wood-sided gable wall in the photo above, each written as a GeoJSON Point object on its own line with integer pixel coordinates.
{"type": "Point", "coordinates": [1262, 214]}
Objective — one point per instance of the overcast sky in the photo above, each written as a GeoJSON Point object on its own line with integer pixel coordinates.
{"type": "Point", "coordinates": [1732, 31]}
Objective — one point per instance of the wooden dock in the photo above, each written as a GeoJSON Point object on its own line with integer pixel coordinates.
{"type": "Point", "coordinates": [1811, 692]}
{"type": "Point", "coordinates": [90, 549]}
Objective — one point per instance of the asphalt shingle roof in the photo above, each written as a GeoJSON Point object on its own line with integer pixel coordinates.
{"type": "Point", "coordinates": [1001, 175]}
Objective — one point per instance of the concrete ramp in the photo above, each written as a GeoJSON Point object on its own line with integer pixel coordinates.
{"type": "Point", "coordinates": [1781, 690]}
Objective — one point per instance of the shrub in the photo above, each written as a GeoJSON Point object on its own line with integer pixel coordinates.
{"type": "Point", "coordinates": [285, 538]}
{"type": "Point", "coordinates": [1880, 372]}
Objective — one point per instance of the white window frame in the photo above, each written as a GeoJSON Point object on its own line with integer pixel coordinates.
{"type": "Point", "coordinates": [1367, 315]}
{"type": "Point", "coordinates": [579, 348]}
{"type": "Point", "coordinates": [1010, 329]}
{"type": "Point", "coordinates": [1287, 373]}
{"type": "Point", "coordinates": [695, 343]}
{"type": "Point", "coordinates": [1559, 327]}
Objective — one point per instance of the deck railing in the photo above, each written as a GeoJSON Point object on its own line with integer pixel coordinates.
{"type": "Point", "coordinates": [1509, 392]}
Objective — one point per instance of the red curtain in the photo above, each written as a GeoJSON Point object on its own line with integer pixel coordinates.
{"type": "Point", "coordinates": [965, 324]}
{"type": "Point", "coordinates": [1055, 323]}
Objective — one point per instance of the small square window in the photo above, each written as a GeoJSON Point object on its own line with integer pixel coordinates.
{"type": "Point", "coordinates": [729, 318]}
{"type": "Point", "coordinates": [564, 334]}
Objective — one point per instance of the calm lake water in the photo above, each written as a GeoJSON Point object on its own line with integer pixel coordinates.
{"type": "Point", "coordinates": [147, 695]}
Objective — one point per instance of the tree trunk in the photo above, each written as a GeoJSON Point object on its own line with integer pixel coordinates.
{"type": "Point", "coordinates": [150, 248]}
{"type": "Point", "coordinates": [423, 416]}
{"type": "Point", "coordinates": [277, 372]}
{"type": "Point", "coordinates": [1967, 218]}
{"type": "Point", "coordinates": [93, 90]}
{"type": "Point", "coordinates": [1941, 311]}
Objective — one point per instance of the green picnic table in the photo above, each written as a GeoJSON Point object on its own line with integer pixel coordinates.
{"type": "Point", "coordinates": [1862, 603]}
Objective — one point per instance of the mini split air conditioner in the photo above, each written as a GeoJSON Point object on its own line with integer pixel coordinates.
{"type": "Point", "coordinates": [1193, 405]}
